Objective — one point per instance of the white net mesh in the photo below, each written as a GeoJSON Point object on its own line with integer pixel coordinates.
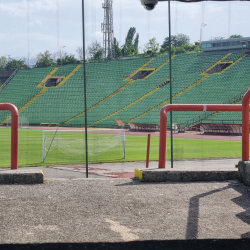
{"type": "Point", "coordinates": [72, 142]}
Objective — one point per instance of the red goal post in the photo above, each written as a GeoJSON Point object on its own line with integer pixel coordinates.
{"type": "Point", "coordinates": [14, 132]}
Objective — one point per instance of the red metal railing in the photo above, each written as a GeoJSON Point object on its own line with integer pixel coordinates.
{"type": "Point", "coordinates": [245, 126]}
{"type": "Point", "coordinates": [14, 132]}
{"type": "Point", "coordinates": [204, 107]}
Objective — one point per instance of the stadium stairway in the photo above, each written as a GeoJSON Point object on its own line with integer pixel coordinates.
{"type": "Point", "coordinates": [206, 75]}
{"type": "Point", "coordinates": [44, 88]}
{"type": "Point", "coordinates": [208, 114]}
{"type": "Point", "coordinates": [134, 102]}
{"type": "Point", "coordinates": [138, 91]}
{"type": "Point", "coordinates": [188, 98]}
{"type": "Point", "coordinates": [22, 88]}
{"type": "Point", "coordinates": [130, 81]}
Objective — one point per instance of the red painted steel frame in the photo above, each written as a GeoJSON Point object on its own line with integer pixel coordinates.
{"type": "Point", "coordinates": [245, 126]}
{"type": "Point", "coordinates": [189, 107]}
{"type": "Point", "coordinates": [148, 150]}
{"type": "Point", "coordinates": [14, 132]}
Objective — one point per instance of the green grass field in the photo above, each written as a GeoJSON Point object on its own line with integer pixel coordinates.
{"type": "Point", "coordinates": [30, 150]}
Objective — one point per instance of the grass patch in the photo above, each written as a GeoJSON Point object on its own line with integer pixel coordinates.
{"type": "Point", "coordinates": [30, 150]}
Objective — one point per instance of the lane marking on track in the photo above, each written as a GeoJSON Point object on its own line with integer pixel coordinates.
{"type": "Point", "coordinates": [124, 232]}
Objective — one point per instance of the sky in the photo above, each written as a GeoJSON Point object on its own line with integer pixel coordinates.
{"type": "Point", "coordinates": [29, 27]}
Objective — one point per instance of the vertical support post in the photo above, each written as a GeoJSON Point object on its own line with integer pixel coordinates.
{"type": "Point", "coordinates": [85, 89]}
{"type": "Point", "coordinates": [43, 146]}
{"type": "Point", "coordinates": [124, 143]}
{"type": "Point", "coordinates": [245, 126]}
{"type": "Point", "coordinates": [14, 132]}
{"type": "Point", "coordinates": [14, 139]}
{"type": "Point", "coordinates": [148, 151]}
{"type": "Point", "coordinates": [163, 139]}
{"type": "Point", "coordinates": [171, 92]}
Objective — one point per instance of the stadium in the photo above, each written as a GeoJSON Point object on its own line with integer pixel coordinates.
{"type": "Point", "coordinates": [124, 94]}
{"type": "Point", "coordinates": [124, 124]}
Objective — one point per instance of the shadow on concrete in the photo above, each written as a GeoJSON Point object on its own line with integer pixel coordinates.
{"type": "Point", "coordinates": [193, 212]}
{"type": "Point", "coordinates": [242, 201]}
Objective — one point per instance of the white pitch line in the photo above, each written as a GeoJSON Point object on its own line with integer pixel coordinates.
{"type": "Point", "coordinates": [125, 232]}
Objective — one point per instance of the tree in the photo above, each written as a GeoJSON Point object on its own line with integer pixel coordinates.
{"type": "Point", "coordinates": [79, 53]}
{"type": "Point", "coordinates": [136, 43]}
{"type": "Point", "coordinates": [68, 59]}
{"type": "Point", "coordinates": [118, 52]}
{"type": "Point", "coordinates": [44, 60]}
{"type": "Point", "coordinates": [131, 46]}
{"type": "Point", "coordinates": [3, 62]}
{"type": "Point", "coordinates": [152, 46]}
{"type": "Point", "coordinates": [95, 52]}
{"type": "Point", "coordinates": [176, 41]}
{"type": "Point", "coordinates": [14, 64]}
{"type": "Point", "coordinates": [235, 36]}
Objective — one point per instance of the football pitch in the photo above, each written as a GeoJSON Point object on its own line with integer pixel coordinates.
{"type": "Point", "coordinates": [30, 150]}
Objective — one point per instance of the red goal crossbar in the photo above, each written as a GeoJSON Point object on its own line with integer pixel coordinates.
{"type": "Point", "coordinates": [204, 107]}
{"type": "Point", "coordinates": [14, 132]}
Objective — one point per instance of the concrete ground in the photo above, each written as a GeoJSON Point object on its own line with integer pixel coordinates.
{"type": "Point", "coordinates": [126, 169]}
{"type": "Point", "coordinates": [116, 210]}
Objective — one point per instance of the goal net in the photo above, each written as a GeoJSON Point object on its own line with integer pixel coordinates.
{"type": "Point", "coordinates": [103, 145]}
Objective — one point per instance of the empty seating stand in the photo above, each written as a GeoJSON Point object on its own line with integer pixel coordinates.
{"type": "Point", "coordinates": [144, 127]}
{"type": "Point", "coordinates": [221, 129]}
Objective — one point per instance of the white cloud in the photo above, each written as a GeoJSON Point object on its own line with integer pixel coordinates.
{"type": "Point", "coordinates": [98, 34]}
{"type": "Point", "coordinates": [35, 23]}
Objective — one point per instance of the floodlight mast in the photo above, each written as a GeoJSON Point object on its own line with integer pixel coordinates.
{"type": "Point", "coordinates": [108, 30]}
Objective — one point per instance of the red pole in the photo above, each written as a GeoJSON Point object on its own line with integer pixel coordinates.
{"type": "Point", "coordinates": [148, 150]}
{"type": "Point", "coordinates": [245, 126]}
{"type": "Point", "coordinates": [14, 132]}
{"type": "Point", "coordinates": [187, 107]}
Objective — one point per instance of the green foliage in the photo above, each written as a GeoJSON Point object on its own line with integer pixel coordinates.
{"type": "Point", "coordinates": [95, 52]}
{"type": "Point", "coordinates": [130, 48]}
{"type": "Point", "coordinates": [68, 59]}
{"type": "Point", "coordinates": [44, 60]}
{"type": "Point", "coordinates": [151, 45]}
{"type": "Point", "coordinates": [3, 62]}
{"type": "Point", "coordinates": [235, 36]}
{"type": "Point", "coordinates": [176, 41]}
{"type": "Point", "coordinates": [136, 43]}
{"type": "Point", "coordinates": [14, 64]}
{"type": "Point", "coordinates": [118, 52]}
{"type": "Point", "coordinates": [179, 44]}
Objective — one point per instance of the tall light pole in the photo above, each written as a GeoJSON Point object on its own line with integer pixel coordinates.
{"type": "Point", "coordinates": [108, 30]}
{"type": "Point", "coordinates": [61, 47]}
{"type": "Point", "coordinates": [202, 25]}
{"type": "Point", "coordinates": [8, 57]}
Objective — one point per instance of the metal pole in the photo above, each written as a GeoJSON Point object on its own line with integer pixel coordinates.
{"type": "Point", "coordinates": [14, 132]}
{"type": "Point", "coordinates": [124, 143]}
{"type": "Point", "coordinates": [43, 145]}
{"type": "Point", "coordinates": [148, 151]}
{"type": "Point", "coordinates": [245, 126]}
{"type": "Point", "coordinates": [85, 89]}
{"type": "Point", "coordinates": [170, 73]}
